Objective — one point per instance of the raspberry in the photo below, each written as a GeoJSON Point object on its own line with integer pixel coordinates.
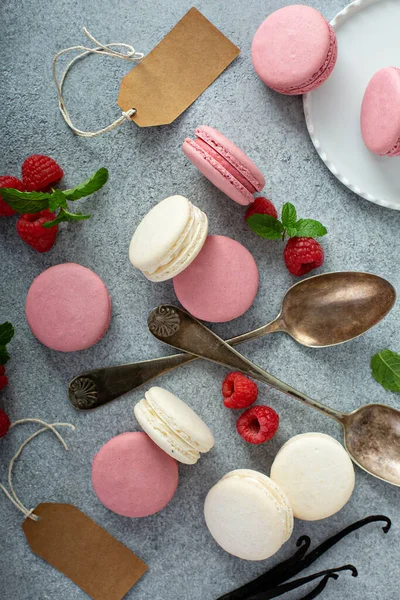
{"type": "Point", "coordinates": [302, 255]}
{"type": "Point", "coordinates": [258, 424]}
{"type": "Point", "coordinates": [3, 381]}
{"type": "Point", "coordinates": [40, 172]}
{"type": "Point", "coordinates": [7, 181]}
{"type": "Point", "coordinates": [238, 391]}
{"type": "Point", "coordinates": [4, 423]}
{"type": "Point", "coordinates": [261, 206]}
{"type": "Point", "coordinates": [30, 229]}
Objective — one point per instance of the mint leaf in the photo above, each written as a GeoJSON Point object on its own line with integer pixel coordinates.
{"type": "Point", "coordinates": [25, 202]}
{"type": "Point", "coordinates": [65, 215]}
{"type": "Point", "coordinates": [289, 215]}
{"type": "Point", "coordinates": [291, 231]}
{"type": "Point", "coordinates": [94, 183]}
{"type": "Point", "coordinates": [266, 226]}
{"type": "Point", "coordinates": [57, 200]}
{"type": "Point", "coordinates": [4, 356]}
{"type": "Point", "coordinates": [309, 228]}
{"type": "Point", "coordinates": [386, 369]}
{"type": "Point", "coordinates": [6, 333]}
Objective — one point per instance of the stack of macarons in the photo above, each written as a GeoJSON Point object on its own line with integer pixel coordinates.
{"type": "Point", "coordinates": [135, 474]}
{"type": "Point", "coordinates": [251, 515]}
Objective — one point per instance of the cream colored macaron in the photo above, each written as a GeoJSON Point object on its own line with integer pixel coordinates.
{"type": "Point", "coordinates": [173, 425]}
{"type": "Point", "coordinates": [248, 515]}
{"type": "Point", "coordinates": [168, 238]}
{"type": "Point", "coordinates": [316, 473]}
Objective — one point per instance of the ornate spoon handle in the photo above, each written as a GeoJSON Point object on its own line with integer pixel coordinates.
{"type": "Point", "coordinates": [95, 388]}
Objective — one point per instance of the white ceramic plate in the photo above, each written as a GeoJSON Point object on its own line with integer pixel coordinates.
{"type": "Point", "coordinates": [368, 39]}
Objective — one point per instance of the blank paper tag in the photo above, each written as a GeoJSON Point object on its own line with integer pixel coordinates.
{"type": "Point", "coordinates": [177, 71]}
{"type": "Point", "coordinates": [85, 552]}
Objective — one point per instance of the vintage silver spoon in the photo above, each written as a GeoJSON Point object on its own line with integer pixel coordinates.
{"type": "Point", "coordinates": [323, 310]}
{"type": "Point", "coordinates": [371, 433]}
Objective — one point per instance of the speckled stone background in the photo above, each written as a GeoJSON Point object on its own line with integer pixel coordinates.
{"type": "Point", "coordinates": [146, 166]}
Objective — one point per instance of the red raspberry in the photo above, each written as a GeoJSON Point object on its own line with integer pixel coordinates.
{"type": "Point", "coordinates": [7, 181]}
{"type": "Point", "coordinates": [261, 206]}
{"type": "Point", "coordinates": [303, 255]}
{"type": "Point", "coordinates": [4, 423]}
{"type": "Point", "coordinates": [258, 424]}
{"type": "Point", "coordinates": [30, 229]}
{"type": "Point", "coordinates": [3, 380]}
{"type": "Point", "coordinates": [40, 172]}
{"type": "Point", "coordinates": [238, 391]}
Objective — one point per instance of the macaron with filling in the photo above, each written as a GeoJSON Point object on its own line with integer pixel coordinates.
{"type": "Point", "coordinates": [294, 50]}
{"type": "Point", "coordinates": [224, 164]}
{"type": "Point", "coordinates": [248, 515]}
{"type": "Point", "coordinates": [316, 474]}
{"type": "Point", "coordinates": [221, 283]}
{"type": "Point", "coordinates": [168, 238]}
{"type": "Point", "coordinates": [173, 425]}
{"type": "Point", "coordinates": [68, 307]}
{"type": "Point", "coordinates": [380, 113]}
{"type": "Point", "coordinates": [132, 476]}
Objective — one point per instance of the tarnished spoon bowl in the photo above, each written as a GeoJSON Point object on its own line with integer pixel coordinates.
{"type": "Point", "coordinates": [372, 438]}
{"type": "Point", "coordinates": [334, 308]}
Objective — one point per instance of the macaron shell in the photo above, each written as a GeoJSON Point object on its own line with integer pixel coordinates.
{"type": "Point", "coordinates": [68, 308]}
{"type": "Point", "coordinates": [182, 419]}
{"type": "Point", "coordinates": [380, 113]}
{"type": "Point", "coordinates": [232, 154]}
{"type": "Point", "coordinates": [163, 436]}
{"type": "Point", "coordinates": [132, 476]}
{"type": "Point", "coordinates": [216, 173]}
{"type": "Point", "coordinates": [292, 47]}
{"type": "Point", "coordinates": [221, 283]}
{"type": "Point", "coordinates": [245, 519]}
{"type": "Point", "coordinates": [316, 474]}
{"type": "Point", "coordinates": [158, 232]}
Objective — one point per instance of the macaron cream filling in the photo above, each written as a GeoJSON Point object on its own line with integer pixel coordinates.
{"type": "Point", "coordinates": [183, 450]}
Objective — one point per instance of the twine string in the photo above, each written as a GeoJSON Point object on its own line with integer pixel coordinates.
{"type": "Point", "coordinates": [11, 493]}
{"type": "Point", "coordinates": [105, 50]}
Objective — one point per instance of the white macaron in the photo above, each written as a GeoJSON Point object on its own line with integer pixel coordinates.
{"type": "Point", "coordinates": [248, 515]}
{"type": "Point", "coordinates": [173, 425]}
{"type": "Point", "coordinates": [316, 473]}
{"type": "Point", "coordinates": [168, 238]}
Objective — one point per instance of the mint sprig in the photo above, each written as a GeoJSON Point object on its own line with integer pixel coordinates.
{"type": "Point", "coordinates": [33, 202]}
{"type": "Point", "coordinates": [6, 335]}
{"type": "Point", "coordinates": [385, 366]}
{"type": "Point", "coordinates": [271, 229]}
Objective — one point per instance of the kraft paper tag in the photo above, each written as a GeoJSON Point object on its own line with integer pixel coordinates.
{"type": "Point", "coordinates": [85, 552]}
{"type": "Point", "coordinates": [190, 57]}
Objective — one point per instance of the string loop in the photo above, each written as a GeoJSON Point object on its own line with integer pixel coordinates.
{"type": "Point", "coordinates": [11, 493]}
{"type": "Point", "coordinates": [105, 50]}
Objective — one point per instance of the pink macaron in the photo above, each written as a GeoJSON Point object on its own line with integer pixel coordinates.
{"type": "Point", "coordinates": [132, 476]}
{"type": "Point", "coordinates": [221, 283]}
{"type": "Point", "coordinates": [380, 113]}
{"type": "Point", "coordinates": [68, 308]}
{"type": "Point", "coordinates": [294, 50]}
{"type": "Point", "coordinates": [224, 164]}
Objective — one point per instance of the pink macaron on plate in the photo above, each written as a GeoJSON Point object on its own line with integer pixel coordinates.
{"type": "Point", "coordinates": [368, 41]}
{"type": "Point", "coordinates": [224, 164]}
